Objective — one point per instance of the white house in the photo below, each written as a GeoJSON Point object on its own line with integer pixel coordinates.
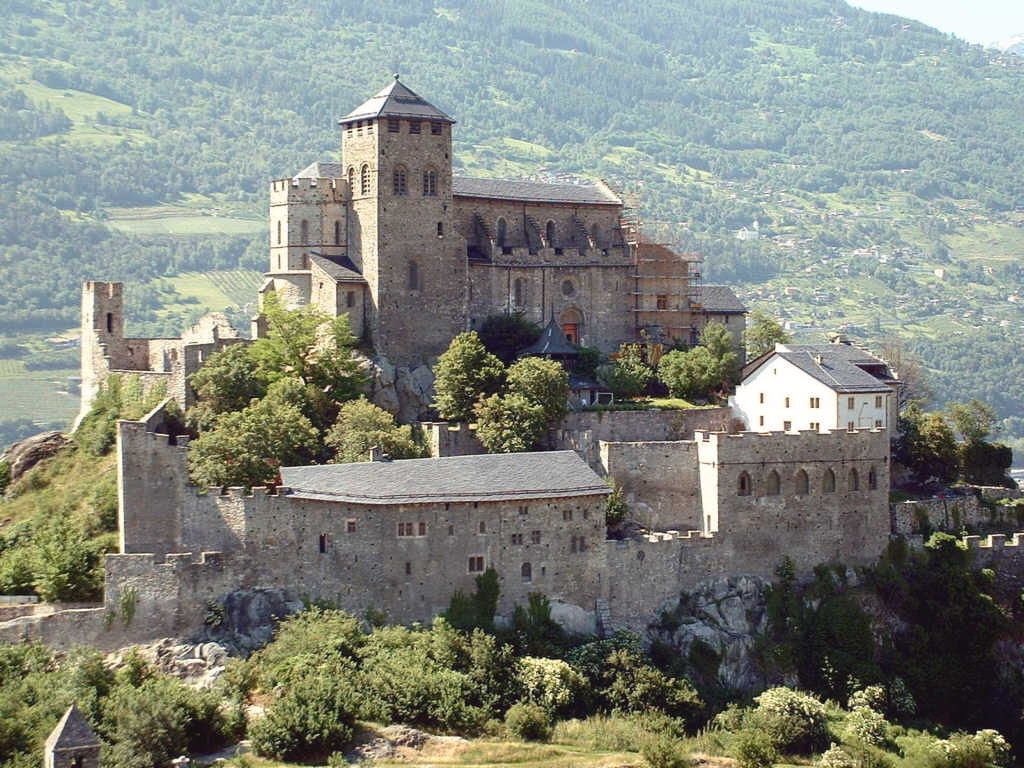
{"type": "Point", "coordinates": [819, 387]}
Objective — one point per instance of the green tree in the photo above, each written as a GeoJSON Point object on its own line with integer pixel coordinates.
{"type": "Point", "coordinates": [361, 425]}
{"type": "Point", "coordinates": [65, 566]}
{"type": "Point", "coordinates": [246, 448]}
{"type": "Point", "coordinates": [689, 373]}
{"type": "Point", "coordinates": [228, 381]}
{"type": "Point", "coordinates": [465, 373]}
{"type": "Point", "coordinates": [763, 333]}
{"type": "Point", "coordinates": [505, 336]}
{"type": "Point", "coordinates": [542, 382]}
{"type": "Point", "coordinates": [927, 444]}
{"type": "Point", "coordinates": [975, 420]}
{"type": "Point", "coordinates": [308, 345]}
{"type": "Point", "coordinates": [510, 423]}
{"type": "Point", "coordinates": [627, 375]}
{"type": "Point", "coordinates": [717, 340]}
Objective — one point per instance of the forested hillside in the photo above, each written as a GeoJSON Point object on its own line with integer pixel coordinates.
{"type": "Point", "coordinates": [880, 160]}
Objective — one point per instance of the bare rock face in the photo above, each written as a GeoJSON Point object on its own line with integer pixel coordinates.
{"type": "Point", "coordinates": [196, 664]}
{"type": "Point", "coordinates": [24, 455]}
{"type": "Point", "coordinates": [405, 392]}
{"type": "Point", "coordinates": [726, 616]}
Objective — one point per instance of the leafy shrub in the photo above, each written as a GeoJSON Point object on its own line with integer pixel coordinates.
{"type": "Point", "coordinates": [795, 722]}
{"type": "Point", "coordinates": [835, 757]}
{"type": "Point", "coordinates": [159, 720]}
{"type": "Point", "coordinates": [754, 748]}
{"type": "Point", "coordinates": [628, 375]}
{"type": "Point", "coordinates": [361, 425]}
{"type": "Point", "coordinates": [510, 423]}
{"type": "Point", "coordinates": [549, 683]}
{"type": "Point", "coordinates": [664, 751]}
{"type": "Point", "coordinates": [872, 696]}
{"type": "Point", "coordinates": [465, 373]}
{"type": "Point", "coordinates": [529, 722]}
{"type": "Point", "coordinates": [964, 750]}
{"type": "Point", "coordinates": [310, 721]}
{"type": "Point", "coordinates": [615, 508]}
{"type": "Point", "coordinates": [867, 726]}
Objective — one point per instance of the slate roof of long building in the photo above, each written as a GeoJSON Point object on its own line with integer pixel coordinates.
{"type": "Point", "coordinates": [490, 477]}
{"type": "Point", "coordinates": [534, 191]}
{"type": "Point", "coordinates": [720, 299]}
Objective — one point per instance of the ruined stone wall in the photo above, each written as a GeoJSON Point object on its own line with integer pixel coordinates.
{"type": "Point", "coordinates": [444, 438]}
{"type": "Point", "coordinates": [659, 480]}
{"type": "Point", "coordinates": [952, 514]}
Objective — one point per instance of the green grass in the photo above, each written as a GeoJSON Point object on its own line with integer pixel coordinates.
{"type": "Point", "coordinates": [181, 220]}
{"type": "Point", "coordinates": [79, 106]}
{"type": "Point", "coordinates": [993, 242]}
{"type": "Point", "coordinates": [214, 291]}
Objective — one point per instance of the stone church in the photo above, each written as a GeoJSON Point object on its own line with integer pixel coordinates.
{"type": "Point", "coordinates": [414, 255]}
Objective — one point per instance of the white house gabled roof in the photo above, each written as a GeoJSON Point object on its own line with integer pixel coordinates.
{"type": "Point", "coordinates": [840, 367]}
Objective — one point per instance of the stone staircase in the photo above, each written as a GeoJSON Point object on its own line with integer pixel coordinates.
{"type": "Point", "coordinates": [605, 627]}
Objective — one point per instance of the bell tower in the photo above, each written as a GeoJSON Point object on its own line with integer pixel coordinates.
{"type": "Point", "coordinates": [396, 152]}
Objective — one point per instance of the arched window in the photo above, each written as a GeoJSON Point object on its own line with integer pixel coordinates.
{"type": "Point", "coordinates": [398, 185]}
{"type": "Point", "coordinates": [872, 479]}
{"type": "Point", "coordinates": [519, 293]}
{"type": "Point", "coordinates": [743, 485]}
{"type": "Point", "coordinates": [304, 230]}
{"type": "Point", "coordinates": [337, 233]}
{"type": "Point", "coordinates": [414, 276]}
{"type": "Point", "coordinates": [828, 482]}
{"type": "Point", "coordinates": [549, 233]}
{"type": "Point", "coordinates": [854, 482]}
{"type": "Point", "coordinates": [279, 232]}
{"type": "Point", "coordinates": [364, 180]}
{"type": "Point", "coordinates": [802, 483]}
{"type": "Point", "coordinates": [502, 232]}
{"type": "Point", "coordinates": [352, 179]}
{"type": "Point", "coordinates": [526, 571]}
{"type": "Point", "coordinates": [774, 484]}
{"type": "Point", "coordinates": [430, 183]}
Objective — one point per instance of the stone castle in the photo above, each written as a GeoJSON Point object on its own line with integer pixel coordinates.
{"type": "Point", "coordinates": [413, 256]}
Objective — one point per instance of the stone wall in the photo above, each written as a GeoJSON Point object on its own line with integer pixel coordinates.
{"type": "Point", "coordinates": [445, 438]}
{"type": "Point", "coordinates": [659, 480]}
{"type": "Point", "coordinates": [583, 431]}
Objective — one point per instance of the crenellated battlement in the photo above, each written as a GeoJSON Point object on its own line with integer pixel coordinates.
{"type": "Point", "coordinates": [993, 541]}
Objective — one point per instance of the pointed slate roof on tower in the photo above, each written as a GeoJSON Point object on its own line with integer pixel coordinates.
{"type": "Point", "coordinates": [396, 100]}
{"type": "Point", "coordinates": [552, 343]}
{"type": "Point", "coordinates": [72, 732]}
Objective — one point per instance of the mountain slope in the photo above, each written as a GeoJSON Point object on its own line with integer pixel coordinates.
{"type": "Point", "coordinates": [870, 150]}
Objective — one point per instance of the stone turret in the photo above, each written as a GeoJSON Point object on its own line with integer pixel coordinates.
{"type": "Point", "coordinates": [72, 744]}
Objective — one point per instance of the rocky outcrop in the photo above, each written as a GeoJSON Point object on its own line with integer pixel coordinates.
{"type": "Point", "coordinates": [24, 455]}
{"type": "Point", "coordinates": [406, 392]}
{"type": "Point", "coordinates": [244, 621]}
{"type": "Point", "coordinates": [197, 664]}
{"type": "Point", "coordinates": [726, 617]}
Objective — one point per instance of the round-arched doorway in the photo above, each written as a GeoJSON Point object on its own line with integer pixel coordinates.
{"type": "Point", "coordinates": [571, 321]}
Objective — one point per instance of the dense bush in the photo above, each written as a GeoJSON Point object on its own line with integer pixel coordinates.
{"type": "Point", "coordinates": [529, 722]}
{"type": "Point", "coordinates": [550, 683]}
{"type": "Point", "coordinates": [795, 722]}
{"type": "Point", "coordinates": [309, 721]}
{"type": "Point", "coordinates": [664, 751]}
{"type": "Point", "coordinates": [754, 748]}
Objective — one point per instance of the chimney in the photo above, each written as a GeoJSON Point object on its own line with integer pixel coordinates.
{"type": "Point", "coordinates": [819, 359]}
{"type": "Point", "coordinates": [377, 454]}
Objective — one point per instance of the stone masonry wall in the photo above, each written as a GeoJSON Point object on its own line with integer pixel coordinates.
{"type": "Point", "coordinates": [659, 480]}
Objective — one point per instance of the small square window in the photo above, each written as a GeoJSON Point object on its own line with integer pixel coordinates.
{"type": "Point", "coordinates": [414, 126]}
{"type": "Point", "coordinates": [517, 538]}
{"type": "Point", "coordinates": [524, 510]}
{"type": "Point", "coordinates": [482, 528]}
{"type": "Point", "coordinates": [394, 125]}
{"type": "Point", "coordinates": [878, 401]}
{"type": "Point", "coordinates": [849, 426]}
{"type": "Point", "coordinates": [422, 529]}
{"type": "Point", "coordinates": [787, 426]}
{"type": "Point", "coordinates": [787, 402]}
{"type": "Point", "coordinates": [850, 403]}
{"type": "Point", "coordinates": [535, 537]}
{"type": "Point", "coordinates": [567, 515]}
{"type": "Point", "coordinates": [878, 423]}
{"type": "Point", "coordinates": [435, 129]}
{"type": "Point", "coordinates": [476, 564]}
{"type": "Point", "coordinates": [350, 526]}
